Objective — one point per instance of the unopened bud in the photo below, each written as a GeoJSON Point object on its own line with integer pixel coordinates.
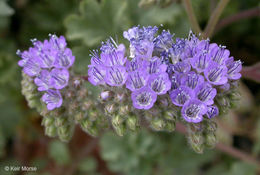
{"type": "Point", "coordinates": [124, 110]}
{"type": "Point", "coordinates": [170, 115]}
{"type": "Point", "coordinates": [170, 126]}
{"type": "Point", "coordinates": [105, 95]}
{"type": "Point", "coordinates": [93, 115]}
{"type": "Point", "coordinates": [120, 97]}
{"type": "Point", "coordinates": [117, 120]}
{"type": "Point", "coordinates": [79, 116]}
{"type": "Point", "coordinates": [50, 131]}
{"type": "Point", "coordinates": [196, 142]}
{"type": "Point", "coordinates": [60, 121]}
{"type": "Point", "coordinates": [132, 122]}
{"type": "Point", "coordinates": [87, 105]}
{"type": "Point", "coordinates": [110, 108]}
{"type": "Point", "coordinates": [120, 130]}
{"type": "Point", "coordinates": [158, 124]}
{"type": "Point", "coordinates": [48, 121]}
{"type": "Point", "coordinates": [210, 140]}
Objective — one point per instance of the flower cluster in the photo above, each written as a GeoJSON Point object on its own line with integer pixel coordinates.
{"type": "Point", "coordinates": [47, 63]}
{"type": "Point", "coordinates": [191, 71]}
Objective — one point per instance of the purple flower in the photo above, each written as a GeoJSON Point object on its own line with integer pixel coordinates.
{"type": "Point", "coordinates": [143, 49]}
{"type": "Point", "coordinates": [192, 80]}
{"type": "Point", "coordinates": [219, 54]}
{"type": "Point", "coordinates": [193, 111]}
{"type": "Point", "coordinates": [114, 57]}
{"type": "Point", "coordinates": [136, 80]}
{"type": "Point", "coordinates": [176, 52]}
{"type": "Point", "coordinates": [138, 34]}
{"type": "Point", "coordinates": [181, 95]}
{"type": "Point", "coordinates": [176, 80]}
{"type": "Point", "coordinates": [52, 98]}
{"type": "Point", "coordinates": [58, 43]}
{"type": "Point", "coordinates": [64, 59]}
{"type": "Point", "coordinates": [96, 75]}
{"type": "Point", "coordinates": [164, 41]}
{"type": "Point", "coordinates": [159, 83]}
{"type": "Point", "coordinates": [134, 64]}
{"type": "Point", "coordinates": [59, 78]}
{"type": "Point", "coordinates": [154, 66]}
{"type": "Point", "coordinates": [32, 67]}
{"type": "Point", "coordinates": [143, 98]}
{"type": "Point", "coordinates": [116, 76]}
{"type": "Point", "coordinates": [200, 62]}
{"type": "Point", "coordinates": [43, 80]}
{"type": "Point", "coordinates": [212, 111]}
{"type": "Point", "coordinates": [234, 67]}
{"type": "Point", "coordinates": [181, 67]}
{"type": "Point", "coordinates": [206, 93]}
{"type": "Point", "coordinates": [216, 74]}
{"type": "Point", "coordinates": [95, 59]}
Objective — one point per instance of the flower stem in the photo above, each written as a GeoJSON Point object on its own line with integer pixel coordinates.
{"type": "Point", "coordinates": [213, 20]}
{"type": "Point", "coordinates": [192, 17]}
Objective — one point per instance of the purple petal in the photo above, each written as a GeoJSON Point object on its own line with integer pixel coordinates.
{"type": "Point", "coordinates": [64, 59]}
{"type": "Point", "coordinates": [181, 95]}
{"type": "Point", "coordinates": [116, 76]}
{"type": "Point", "coordinates": [144, 49]}
{"type": "Point", "coordinates": [212, 111]}
{"type": "Point", "coordinates": [134, 64]}
{"type": "Point", "coordinates": [136, 80]}
{"type": "Point", "coordinates": [206, 93]}
{"type": "Point", "coordinates": [181, 67]}
{"type": "Point", "coordinates": [159, 83]}
{"type": "Point", "coordinates": [154, 66]}
{"type": "Point", "coordinates": [192, 80]}
{"type": "Point", "coordinates": [52, 98]}
{"type": "Point", "coordinates": [114, 58]}
{"type": "Point", "coordinates": [143, 98]}
{"type": "Point", "coordinates": [234, 68]}
{"type": "Point", "coordinates": [43, 80]}
{"type": "Point", "coordinates": [58, 43]}
{"type": "Point", "coordinates": [176, 80]}
{"type": "Point", "coordinates": [216, 74]}
{"type": "Point", "coordinates": [59, 78]}
{"type": "Point", "coordinates": [32, 67]}
{"type": "Point", "coordinates": [200, 62]}
{"type": "Point", "coordinates": [219, 54]}
{"type": "Point", "coordinates": [96, 75]}
{"type": "Point", "coordinates": [163, 41]}
{"type": "Point", "coordinates": [193, 111]}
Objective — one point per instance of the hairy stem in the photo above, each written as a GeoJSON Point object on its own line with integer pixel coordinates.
{"type": "Point", "coordinates": [192, 17]}
{"type": "Point", "coordinates": [213, 20]}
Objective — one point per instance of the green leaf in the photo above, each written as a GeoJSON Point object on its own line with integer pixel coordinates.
{"type": "Point", "coordinates": [242, 168]}
{"type": "Point", "coordinates": [97, 21]}
{"type": "Point", "coordinates": [59, 152]}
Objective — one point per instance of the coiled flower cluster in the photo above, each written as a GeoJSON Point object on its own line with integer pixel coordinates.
{"type": "Point", "coordinates": [48, 63]}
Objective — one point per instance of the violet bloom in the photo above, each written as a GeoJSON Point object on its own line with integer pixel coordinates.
{"type": "Point", "coordinates": [154, 66]}
{"type": "Point", "coordinates": [206, 93]}
{"type": "Point", "coordinates": [43, 80]}
{"type": "Point", "coordinates": [136, 80]}
{"type": "Point", "coordinates": [159, 83]}
{"type": "Point", "coordinates": [29, 62]}
{"type": "Point", "coordinates": [58, 43]}
{"type": "Point", "coordinates": [96, 75]}
{"type": "Point", "coordinates": [216, 74]}
{"type": "Point", "coordinates": [192, 80]}
{"type": "Point", "coordinates": [114, 56]}
{"type": "Point", "coordinates": [212, 111]}
{"type": "Point", "coordinates": [176, 80]}
{"type": "Point", "coordinates": [219, 54]}
{"type": "Point", "coordinates": [193, 111]}
{"type": "Point", "coordinates": [52, 98]}
{"type": "Point", "coordinates": [164, 41]}
{"type": "Point", "coordinates": [134, 64]}
{"type": "Point", "coordinates": [144, 49]}
{"type": "Point", "coordinates": [143, 98]}
{"type": "Point", "coordinates": [59, 78]}
{"type": "Point", "coordinates": [200, 62]}
{"type": "Point", "coordinates": [181, 67]}
{"type": "Point", "coordinates": [181, 95]}
{"type": "Point", "coordinates": [116, 76]}
{"type": "Point", "coordinates": [234, 68]}
{"type": "Point", "coordinates": [64, 59]}
{"type": "Point", "coordinates": [176, 52]}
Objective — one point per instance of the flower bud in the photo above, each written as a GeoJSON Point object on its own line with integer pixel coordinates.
{"type": "Point", "coordinates": [48, 121]}
{"type": "Point", "coordinates": [210, 140]}
{"type": "Point", "coordinates": [196, 142]}
{"type": "Point", "coordinates": [132, 122]}
{"type": "Point", "coordinates": [105, 95]}
{"type": "Point", "coordinates": [117, 120]}
{"type": "Point", "coordinates": [120, 129]}
{"type": "Point", "coordinates": [120, 97]}
{"type": "Point", "coordinates": [124, 110]}
{"type": "Point", "coordinates": [79, 116]}
{"type": "Point", "coordinates": [158, 124]}
{"type": "Point", "coordinates": [170, 126]}
{"type": "Point", "coordinates": [93, 115]}
{"type": "Point", "coordinates": [60, 121]}
{"type": "Point", "coordinates": [110, 108]}
{"type": "Point", "coordinates": [50, 131]}
{"type": "Point", "coordinates": [170, 115]}
{"type": "Point", "coordinates": [65, 132]}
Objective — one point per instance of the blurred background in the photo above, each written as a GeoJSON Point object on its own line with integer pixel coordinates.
{"type": "Point", "coordinates": [85, 23]}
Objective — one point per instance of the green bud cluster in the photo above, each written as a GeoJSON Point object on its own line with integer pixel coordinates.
{"type": "Point", "coordinates": [202, 135]}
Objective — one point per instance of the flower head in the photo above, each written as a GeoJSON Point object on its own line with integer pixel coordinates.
{"type": "Point", "coordinates": [52, 98]}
